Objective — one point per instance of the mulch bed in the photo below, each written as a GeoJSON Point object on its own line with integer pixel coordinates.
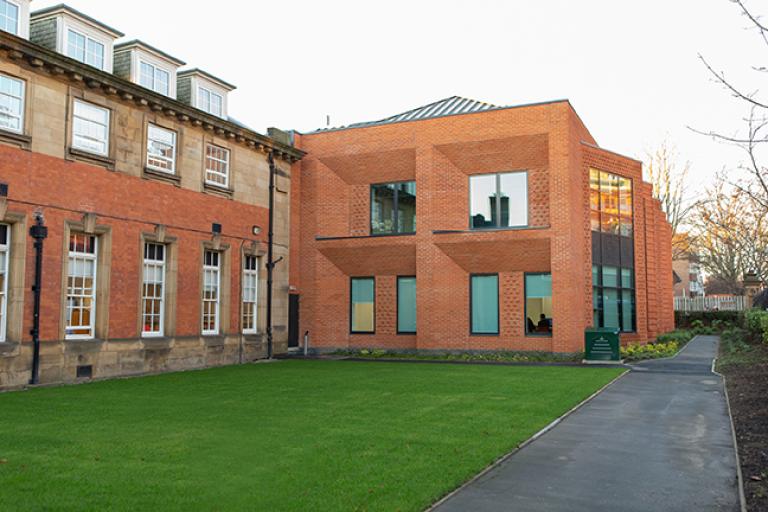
{"type": "Point", "coordinates": [748, 395]}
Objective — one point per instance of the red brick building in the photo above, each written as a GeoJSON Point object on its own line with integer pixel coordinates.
{"type": "Point", "coordinates": [465, 226]}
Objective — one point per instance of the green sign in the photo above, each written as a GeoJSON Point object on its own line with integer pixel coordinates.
{"type": "Point", "coordinates": [601, 345]}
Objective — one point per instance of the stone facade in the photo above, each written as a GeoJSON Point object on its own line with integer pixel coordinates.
{"type": "Point", "coordinates": [123, 203]}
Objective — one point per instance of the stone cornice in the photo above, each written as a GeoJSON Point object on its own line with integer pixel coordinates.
{"type": "Point", "coordinates": [42, 60]}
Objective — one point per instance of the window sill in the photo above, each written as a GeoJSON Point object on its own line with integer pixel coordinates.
{"type": "Point", "coordinates": [8, 348]}
{"type": "Point", "coordinates": [150, 173]}
{"type": "Point", "coordinates": [17, 139]}
{"type": "Point", "coordinates": [487, 230]}
{"type": "Point", "coordinates": [218, 190]}
{"type": "Point", "coordinates": [91, 158]}
{"type": "Point", "coordinates": [214, 340]}
{"type": "Point", "coordinates": [536, 335]}
{"type": "Point", "coordinates": [83, 345]}
{"type": "Point", "coordinates": [353, 237]}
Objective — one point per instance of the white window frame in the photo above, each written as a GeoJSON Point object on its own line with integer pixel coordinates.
{"type": "Point", "coordinates": [207, 106]}
{"type": "Point", "coordinates": [86, 257]}
{"type": "Point", "coordinates": [22, 99]}
{"type": "Point", "coordinates": [209, 171]}
{"type": "Point", "coordinates": [86, 39]}
{"type": "Point", "coordinates": [149, 265]}
{"type": "Point", "coordinates": [19, 14]}
{"type": "Point", "coordinates": [75, 136]}
{"type": "Point", "coordinates": [155, 70]}
{"type": "Point", "coordinates": [5, 250]}
{"type": "Point", "coordinates": [161, 158]}
{"type": "Point", "coordinates": [250, 294]}
{"type": "Point", "coordinates": [213, 271]}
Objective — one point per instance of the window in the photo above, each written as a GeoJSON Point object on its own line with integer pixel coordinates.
{"type": "Point", "coordinates": [538, 304]}
{"type": "Point", "coordinates": [153, 291]}
{"type": "Point", "coordinates": [406, 305]}
{"type": "Point", "coordinates": [393, 208]}
{"type": "Point", "coordinates": [5, 256]}
{"type": "Point", "coordinates": [613, 298]}
{"type": "Point", "coordinates": [250, 294]}
{"type": "Point", "coordinates": [210, 102]}
{"type": "Point", "coordinates": [81, 286]}
{"type": "Point", "coordinates": [216, 166]}
{"type": "Point", "coordinates": [11, 104]}
{"type": "Point", "coordinates": [9, 17]}
{"type": "Point", "coordinates": [484, 304]}
{"type": "Point", "coordinates": [161, 149]}
{"type": "Point", "coordinates": [363, 315]}
{"type": "Point", "coordinates": [155, 78]}
{"type": "Point", "coordinates": [90, 128]}
{"type": "Point", "coordinates": [211, 288]}
{"type": "Point", "coordinates": [498, 200]}
{"type": "Point", "coordinates": [610, 203]}
{"type": "Point", "coordinates": [85, 49]}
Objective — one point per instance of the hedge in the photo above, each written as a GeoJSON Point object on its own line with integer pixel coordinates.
{"type": "Point", "coordinates": [756, 322]}
{"type": "Point", "coordinates": [684, 319]}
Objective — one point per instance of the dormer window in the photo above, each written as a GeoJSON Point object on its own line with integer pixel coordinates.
{"type": "Point", "coordinates": [85, 49]}
{"type": "Point", "coordinates": [9, 17]}
{"type": "Point", "coordinates": [147, 66]}
{"type": "Point", "coordinates": [152, 77]}
{"type": "Point", "coordinates": [209, 101]}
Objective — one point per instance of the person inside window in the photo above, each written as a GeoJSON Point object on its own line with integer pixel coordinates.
{"type": "Point", "coordinates": [545, 324]}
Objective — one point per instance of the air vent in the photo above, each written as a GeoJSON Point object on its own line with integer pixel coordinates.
{"type": "Point", "coordinates": [85, 371]}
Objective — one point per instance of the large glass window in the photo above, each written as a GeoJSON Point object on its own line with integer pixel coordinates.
{"type": "Point", "coordinates": [498, 200]}
{"type": "Point", "coordinates": [210, 102]}
{"type": "Point", "coordinates": [11, 104]}
{"type": "Point", "coordinates": [538, 304]}
{"type": "Point", "coordinates": [363, 303]}
{"type": "Point", "coordinates": [90, 128]}
{"type": "Point", "coordinates": [250, 294]}
{"type": "Point", "coordinates": [155, 78]}
{"type": "Point", "coordinates": [5, 256]}
{"type": "Point", "coordinates": [81, 286]}
{"type": "Point", "coordinates": [161, 149]}
{"type": "Point", "coordinates": [484, 304]}
{"type": "Point", "coordinates": [393, 208]}
{"type": "Point", "coordinates": [85, 49]}
{"type": "Point", "coordinates": [211, 291]}
{"type": "Point", "coordinates": [216, 166]}
{"type": "Point", "coordinates": [406, 305]}
{"type": "Point", "coordinates": [9, 17]}
{"type": "Point", "coordinates": [153, 290]}
{"type": "Point", "coordinates": [613, 298]}
{"type": "Point", "coordinates": [610, 203]}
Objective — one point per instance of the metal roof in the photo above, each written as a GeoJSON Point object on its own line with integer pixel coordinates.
{"type": "Point", "coordinates": [452, 106]}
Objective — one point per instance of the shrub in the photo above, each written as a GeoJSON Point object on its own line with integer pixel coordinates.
{"type": "Point", "coordinates": [756, 322]}
{"type": "Point", "coordinates": [649, 351]}
{"type": "Point", "coordinates": [719, 320]}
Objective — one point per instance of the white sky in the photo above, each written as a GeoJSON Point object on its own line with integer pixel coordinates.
{"type": "Point", "coordinates": [629, 68]}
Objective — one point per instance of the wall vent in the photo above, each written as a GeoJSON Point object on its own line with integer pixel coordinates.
{"type": "Point", "coordinates": [85, 371]}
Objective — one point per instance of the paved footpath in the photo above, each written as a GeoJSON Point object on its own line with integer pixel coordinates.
{"type": "Point", "coordinates": [659, 439]}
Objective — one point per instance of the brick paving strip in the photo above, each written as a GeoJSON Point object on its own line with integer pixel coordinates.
{"type": "Point", "coordinates": [660, 439]}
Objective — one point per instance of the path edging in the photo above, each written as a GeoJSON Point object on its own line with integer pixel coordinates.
{"type": "Point", "coordinates": [505, 457]}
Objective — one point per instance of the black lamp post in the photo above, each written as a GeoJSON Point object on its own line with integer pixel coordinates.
{"type": "Point", "coordinates": [39, 232]}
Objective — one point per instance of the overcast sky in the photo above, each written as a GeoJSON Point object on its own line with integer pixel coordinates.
{"type": "Point", "coordinates": [629, 68]}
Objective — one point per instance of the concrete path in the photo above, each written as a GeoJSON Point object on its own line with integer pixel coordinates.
{"type": "Point", "coordinates": [659, 439]}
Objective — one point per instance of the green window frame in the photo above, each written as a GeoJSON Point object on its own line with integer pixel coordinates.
{"type": "Point", "coordinates": [393, 208]}
{"type": "Point", "coordinates": [613, 298]}
{"type": "Point", "coordinates": [538, 287]}
{"type": "Point", "coordinates": [406, 305]}
{"type": "Point", "coordinates": [362, 305]}
{"type": "Point", "coordinates": [484, 304]}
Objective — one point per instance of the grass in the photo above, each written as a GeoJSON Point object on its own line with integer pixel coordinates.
{"type": "Point", "coordinates": [294, 435]}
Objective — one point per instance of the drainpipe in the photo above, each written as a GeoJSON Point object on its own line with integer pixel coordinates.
{"type": "Point", "coordinates": [270, 250]}
{"type": "Point", "coordinates": [39, 232]}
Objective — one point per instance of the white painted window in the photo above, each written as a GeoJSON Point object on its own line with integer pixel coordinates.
{"type": "Point", "coordinates": [11, 104]}
{"type": "Point", "coordinates": [81, 286]}
{"type": "Point", "coordinates": [90, 128]}
{"type": "Point", "coordinates": [250, 294]}
{"type": "Point", "coordinates": [155, 78]}
{"type": "Point", "coordinates": [211, 291]}
{"type": "Point", "coordinates": [85, 49]}
{"type": "Point", "coordinates": [5, 255]}
{"type": "Point", "coordinates": [210, 101]}
{"type": "Point", "coordinates": [217, 166]}
{"type": "Point", "coordinates": [9, 17]}
{"type": "Point", "coordinates": [153, 291]}
{"type": "Point", "coordinates": [161, 149]}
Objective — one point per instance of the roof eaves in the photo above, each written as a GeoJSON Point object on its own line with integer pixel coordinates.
{"type": "Point", "coordinates": [136, 43]}
{"type": "Point", "coordinates": [205, 74]}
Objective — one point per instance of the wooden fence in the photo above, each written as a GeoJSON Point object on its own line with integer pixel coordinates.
{"type": "Point", "coordinates": [687, 304]}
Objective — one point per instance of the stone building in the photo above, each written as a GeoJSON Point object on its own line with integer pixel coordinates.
{"type": "Point", "coordinates": [155, 200]}
{"type": "Point", "coordinates": [466, 226]}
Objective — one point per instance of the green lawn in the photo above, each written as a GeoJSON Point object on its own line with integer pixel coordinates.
{"type": "Point", "coordinates": [298, 435]}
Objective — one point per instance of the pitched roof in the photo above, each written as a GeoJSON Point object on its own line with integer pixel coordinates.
{"type": "Point", "coordinates": [447, 107]}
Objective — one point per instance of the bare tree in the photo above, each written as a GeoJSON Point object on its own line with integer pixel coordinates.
{"type": "Point", "coordinates": [668, 178]}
